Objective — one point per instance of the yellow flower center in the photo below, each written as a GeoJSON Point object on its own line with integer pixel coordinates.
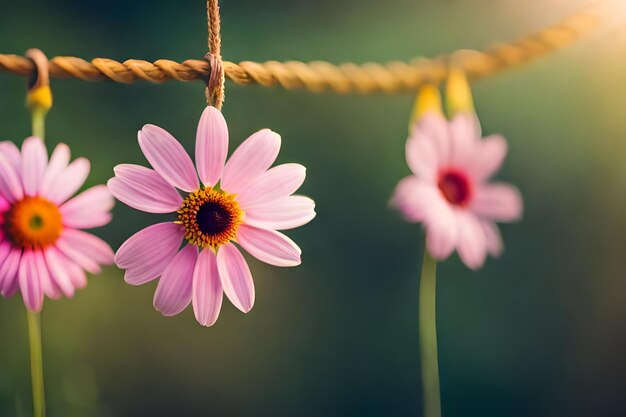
{"type": "Point", "coordinates": [34, 223]}
{"type": "Point", "coordinates": [211, 217]}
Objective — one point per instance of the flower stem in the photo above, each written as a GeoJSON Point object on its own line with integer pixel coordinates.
{"type": "Point", "coordinates": [428, 337]}
{"type": "Point", "coordinates": [38, 118]}
{"type": "Point", "coordinates": [36, 363]}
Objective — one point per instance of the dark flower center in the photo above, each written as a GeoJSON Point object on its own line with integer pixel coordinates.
{"type": "Point", "coordinates": [455, 186]}
{"type": "Point", "coordinates": [213, 218]}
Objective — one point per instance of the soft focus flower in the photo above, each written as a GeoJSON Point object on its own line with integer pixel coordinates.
{"type": "Point", "coordinates": [42, 249]}
{"type": "Point", "coordinates": [449, 190]}
{"type": "Point", "coordinates": [242, 200]}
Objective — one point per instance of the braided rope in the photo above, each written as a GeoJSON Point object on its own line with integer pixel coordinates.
{"type": "Point", "coordinates": [316, 76]}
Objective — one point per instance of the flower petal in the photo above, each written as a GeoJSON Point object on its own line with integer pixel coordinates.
{"type": "Point", "coordinates": [144, 189]}
{"type": "Point", "coordinates": [269, 246]}
{"type": "Point", "coordinates": [493, 238]}
{"type": "Point", "coordinates": [91, 208]}
{"type": "Point", "coordinates": [465, 134]}
{"type": "Point", "coordinates": [211, 146]}
{"type": "Point", "coordinates": [282, 214]}
{"type": "Point", "coordinates": [48, 285]}
{"type": "Point", "coordinates": [34, 163]}
{"type": "Point", "coordinates": [76, 254]}
{"type": "Point", "coordinates": [277, 182]}
{"type": "Point", "coordinates": [421, 156]}
{"type": "Point", "coordinates": [173, 293]}
{"type": "Point", "coordinates": [498, 201]}
{"type": "Point", "coordinates": [415, 197]}
{"type": "Point", "coordinates": [472, 244]}
{"type": "Point", "coordinates": [69, 181]}
{"type": "Point", "coordinates": [8, 272]}
{"type": "Point", "coordinates": [235, 277]}
{"type": "Point", "coordinates": [58, 162]}
{"type": "Point", "coordinates": [488, 157]}
{"type": "Point", "coordinates": [12, 153]}
{"type": "Point", "coordinates": [433, 127]}
{"type": "Point", "coordinates": [147, 253]}
{"type": "Point", "coordinates": [91, 246]}
{"type": "Point", "coordinates": [57, 265]}
{"type": "Point", "coordinates": [10, 181]}
{"type": "Point", "coordinates": [168, 157]}
{"type": "Point", "coordinates": [253, 157]}
{"type": "Point", "coordinates": [30, 284]}
{"type": "Point", "coordinates": [207, 289]}
{"type": "Point", "coordinates": [441, 230]}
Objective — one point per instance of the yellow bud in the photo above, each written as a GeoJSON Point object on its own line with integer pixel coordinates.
{"type": "Point", "coordinates": [428, 101]}
{"type": "Point", "coordinates": [458, 93]}
{"type": "Point", "coordinates": [39, 98]}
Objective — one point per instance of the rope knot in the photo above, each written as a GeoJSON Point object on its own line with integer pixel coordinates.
{"type": "Point", "coordinates": [39, 97]}
{"type": "Point", "coordinates": [215, 81]}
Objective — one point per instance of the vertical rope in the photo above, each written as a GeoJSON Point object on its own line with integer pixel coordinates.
{"type": "Point", "coordinates": [216, 79]}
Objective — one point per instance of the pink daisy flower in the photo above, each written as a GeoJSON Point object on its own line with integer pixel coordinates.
{"type": "Point", "coordinates": [241, 201]}
{"type": "Point", "coordinates": [449, 190]}
{"type": "Point", "coordinates": [42, 249]}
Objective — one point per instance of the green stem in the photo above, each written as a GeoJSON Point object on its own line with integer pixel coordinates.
{"type": "Point", "coordinates": [38, 119]}
{"type": "Point", "coordinates": [428, 337]}
{"type": "Point", "coordinates": [36, 363]}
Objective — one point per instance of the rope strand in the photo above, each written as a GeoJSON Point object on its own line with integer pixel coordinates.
{"type": "Point", "coordinates": [216, 78]}
{"type": "Point", "coordinates": [391, 77]}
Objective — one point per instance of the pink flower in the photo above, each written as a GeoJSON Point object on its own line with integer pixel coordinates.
{"type": "Point", "coordinates": [242, 200]}
{"type": "Point", "coordinates": [42, 249]}
{"type": "Point", "coordinates": [449, 190]}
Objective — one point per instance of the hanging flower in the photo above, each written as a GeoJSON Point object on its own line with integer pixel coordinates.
{"type": "Point", "coordinates": [241, 201]}
{"type": "Point", "coordinates": [42, 249]}
{"type": "Point", "coordinates": [449, 190]}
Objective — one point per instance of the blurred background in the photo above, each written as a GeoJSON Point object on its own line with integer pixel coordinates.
{"type": "Point", "coordinates": [538, 332]}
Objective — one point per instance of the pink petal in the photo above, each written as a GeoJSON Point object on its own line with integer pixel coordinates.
{"type": "Point", "coordinates": [280, 181]}
{"type": "Point", "coordinates": [441, 230]}
{"type": "Point", "coordinates": [253, 157]}
{"type": "Point", "coordinates": [48, 284]}
{"type": "Point", "coordinates": [269, 246]}
{"type": "Point", "coordinates": [207, 289]}
{"type": "Point", "coordinates": [10, 180]}
{"type": "Point", "coordinates": [282, 214]}
{"type": "Point", "coordinates": [30, 285]}
{"type": "Point", "coordinates": [144, 189]}
{"type": "Point", "coordinates": [235, 277]}
{"type": "Point", "coordinates": [77, 275]}
{"type": "Point", "coordinates": [421, 156]}
{"type": "Point", "coordinates": [211, 146]}
{"type": "Point", "coordinates": [57, 266]}
{"type": "Point", "coordinates": [91, 208]}
{"type": "Point", "coordinates": [8, 272]}
{"type": "Point", "coordinates": [488, 157]}
{"type": "Point", "coordinates": [168, 157]}
{"type": "Point", "coordinates": [13, 154]}
{"type": "Point", "coordinates": [493, 238]}
{"type": "Point", "coordinates": [34, 163]}
{"type": "Point", "coordinates": [69, 181]}
{"type": "Point", "coordinates": [472, 244]}
{"type": "Point", "coordinates": [465, 134]}
{"type": "Point", "coordinates": [173, 293]}
{"type": "Point", "coordinates": [433, 127]}
{"type": "Point", "coordinates": [415, 198]}
{"type": "Point", "coordinates": [58, 162]}
{"type": "Point", "coordinates": [75, 254]}
{"type": "Point", "coordinates": [499, 202]}
{"type": "Point", "coordinates": [147, 253]}
{"type": "Point", "coordinates": [91, 246]}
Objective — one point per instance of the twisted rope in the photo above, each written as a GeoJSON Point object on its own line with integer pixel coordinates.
{"type": "Point", "coordinates": [316, 76]}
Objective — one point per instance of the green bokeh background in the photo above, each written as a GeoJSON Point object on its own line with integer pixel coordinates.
{"type": "Point", "coordinates": [538, 332]}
